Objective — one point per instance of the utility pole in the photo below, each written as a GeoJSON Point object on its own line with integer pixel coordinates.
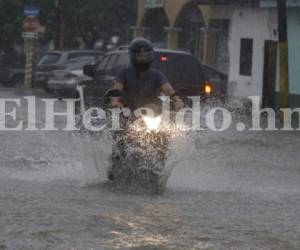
{"type": "Point", "coordinates": [61, 29]}
{"type": "Point", "coordinates": [30, 34]}
{"type": "Point", "coordinates": [61, 26]}
{"type": "Point", "coordinates": [283, 53]}
{"type": "Point", "coordinates": [29, 62]}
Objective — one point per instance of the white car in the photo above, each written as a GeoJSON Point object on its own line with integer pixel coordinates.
{"type": "Point", "coordinates": [64, 82]}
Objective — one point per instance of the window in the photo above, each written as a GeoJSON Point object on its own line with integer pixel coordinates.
{"type": "Point", "coordinates": [246, 57]}
{"type": "Point", "coordinates": [220, 36]}
{"type": "Point", "coordinates": [211, 74]}
{"type": "Point", "coordinates": [111, 63]}
{"type": "Point", "coordinates": [103, 63]}
{"type": "Point", "coordinates": [123, 59]}
{"type": "Point", "coordinates": [79, 64]}
{"type": "Point", "coordinates": [80, 54]}
{"type": "Point", "coordinates": [49, 59]}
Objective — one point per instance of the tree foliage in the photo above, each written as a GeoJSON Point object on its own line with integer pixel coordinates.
{"type": "Point", "coordinates": [88, 19]}
{"type": "Point", "coordinates": [101, 19]}
{"type": "Point", "coordinates": [10, 23]}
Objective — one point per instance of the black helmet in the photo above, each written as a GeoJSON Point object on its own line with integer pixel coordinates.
{"type": "Point", "coordinates": [141, 54]}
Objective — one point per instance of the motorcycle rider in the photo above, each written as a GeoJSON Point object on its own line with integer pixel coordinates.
{"type": "Point", "coordinates": [139, 83]}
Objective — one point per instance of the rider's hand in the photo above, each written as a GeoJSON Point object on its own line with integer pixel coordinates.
{"type": "Point", "coordinates": [117, 104]}
{"type": "Point", "coordinates": [178, 104]}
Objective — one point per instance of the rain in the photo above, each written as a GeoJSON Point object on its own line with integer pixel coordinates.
{"type": "Point", "coordinates": [149, 124]}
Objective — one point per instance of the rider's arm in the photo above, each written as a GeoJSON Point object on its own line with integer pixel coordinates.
{"type": "Point", "coordinates": [168, 90]}
{"type": "Point", "coordinates": [120, 82]}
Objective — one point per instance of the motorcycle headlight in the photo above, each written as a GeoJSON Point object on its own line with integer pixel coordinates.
{"type": "Point", "coordinates": [152, 123]}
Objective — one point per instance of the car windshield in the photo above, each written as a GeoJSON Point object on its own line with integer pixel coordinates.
{"type": "Point", "coordinates": [51, 58]}
{"type": "Point", "coordinates": [81, 54]}
{"type": "Point", "coordinates": [79, 63]}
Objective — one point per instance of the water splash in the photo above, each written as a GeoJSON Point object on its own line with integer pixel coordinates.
{"type": "Point", "coordinates": [56, 156]}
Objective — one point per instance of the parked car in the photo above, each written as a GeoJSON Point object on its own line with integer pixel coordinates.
{"type": "Point", "coordinates": [184, 71]}
{"type": "Point", "coordinates": [12, 71]}
{"type": "Point", "coordinates": [64, 82]}
{"type": "Point", "coordinates": [218, 81]}
{"type": "Point", "coordinates": [58, 60]}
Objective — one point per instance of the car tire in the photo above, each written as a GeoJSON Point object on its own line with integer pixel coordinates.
{"type": "Point", "coordinates": [17, 81]}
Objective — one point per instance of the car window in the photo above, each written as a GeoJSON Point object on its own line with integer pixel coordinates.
{"type": "Point", "coordinates": [51, 58]}
{"type": "Point", "coordinates": [211, 74]}
{"type": "Point", "coordinates": [81, 59]}
{"type": "Point", "coordinates": [111, 63]}
{"type": "Point", "coordinates": [79, 64]}
{"type": "Point", "coordinates": [103, 63]}
{"type": "Point", "coordinates": [98, 59]}
{"type": "Point", "coordinates": [81, 54]}
{"type": "Point", "coordinates": [123, 60]}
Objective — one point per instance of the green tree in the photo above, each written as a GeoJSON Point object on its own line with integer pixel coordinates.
{"type": "Point", "coordinates": [11, 20]}
{"type": "Point", "coordinates": [88, 19]}
{"type": "Point", "coordinates": [10, 23]}
{"type": "Point", "coordinates": [96, 19]}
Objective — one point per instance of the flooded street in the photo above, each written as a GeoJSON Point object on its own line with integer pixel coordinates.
{"type": "Point", "coordinates": [195, 146]}
{"type": "Point", "coordinates": [228, 190]}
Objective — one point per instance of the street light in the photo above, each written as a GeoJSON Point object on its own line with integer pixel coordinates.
{"type": "Point", "coordinates": [61, 23]}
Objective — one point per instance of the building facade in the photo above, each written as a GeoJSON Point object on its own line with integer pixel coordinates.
{"type": "Point", "coordinates": [238, 37]}
{"type": "Point", "coordinates": [253, 51]}
{"type": "Point", "coordinates": [250, 28]}
{"type": "Point", "coordinates": [190, 25]}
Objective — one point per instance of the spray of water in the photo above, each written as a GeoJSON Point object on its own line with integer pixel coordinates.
{"type": "Point", "coordinates": [52, 156]}
{"type": "Point", "coordinates": [203, 160]}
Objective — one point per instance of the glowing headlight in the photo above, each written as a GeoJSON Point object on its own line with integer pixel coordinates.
{"type": "Point", "coordinates": [152, 123]}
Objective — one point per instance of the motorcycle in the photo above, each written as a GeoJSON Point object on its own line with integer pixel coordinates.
{"type": "Point", "coordinates": [140, 153]}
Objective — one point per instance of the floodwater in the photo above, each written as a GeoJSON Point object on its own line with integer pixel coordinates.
{"type": "Point", "coordinates": [228, 190]}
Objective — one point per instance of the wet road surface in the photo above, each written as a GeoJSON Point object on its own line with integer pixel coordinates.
{"type": "Point", "coordinates": [228, 190]}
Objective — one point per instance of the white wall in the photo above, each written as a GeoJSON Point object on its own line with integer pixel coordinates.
{"type": "Point", "coordinates": [258, 24]}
